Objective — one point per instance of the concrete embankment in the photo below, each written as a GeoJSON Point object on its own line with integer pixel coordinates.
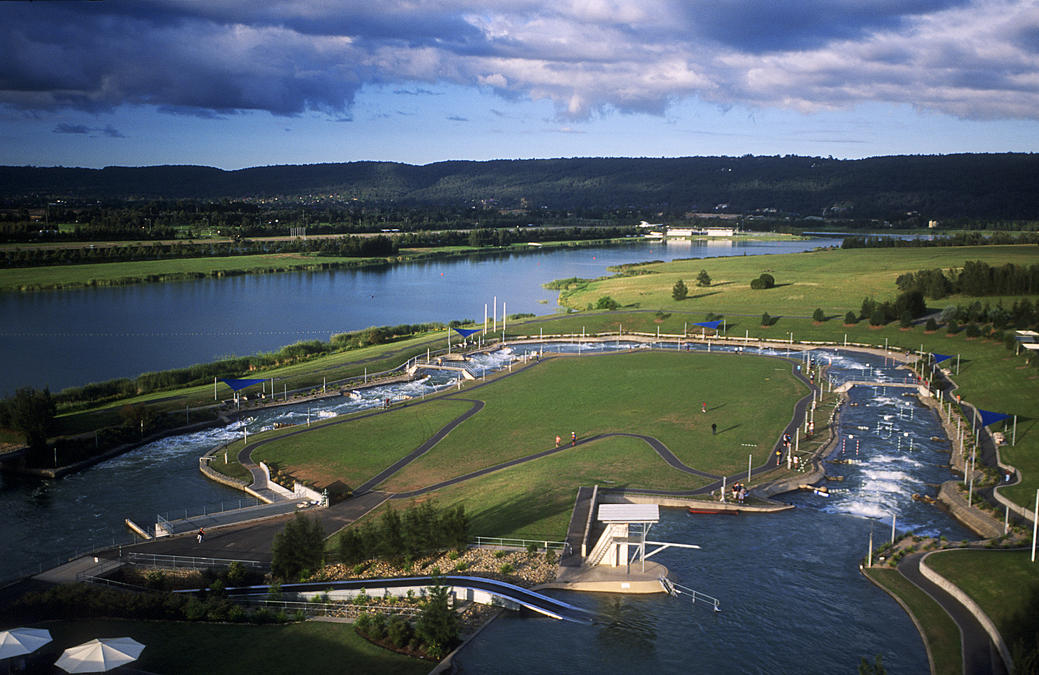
{"type": "Point", "coordinates": [976, 520]}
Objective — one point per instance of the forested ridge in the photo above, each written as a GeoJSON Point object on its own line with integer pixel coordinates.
{"type": "Point", "coordinates": [983, 186]}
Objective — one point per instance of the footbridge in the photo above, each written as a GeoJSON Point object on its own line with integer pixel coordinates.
{"type": "Point", "coordinates": [464, 370]}
{"type": "Point", "coordinates": [476, 589]}
{"type": "Point", "coordinates": [921, 389]}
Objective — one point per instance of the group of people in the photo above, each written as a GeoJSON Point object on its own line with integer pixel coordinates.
{"type": "Point", "coordinates": [739, 492]}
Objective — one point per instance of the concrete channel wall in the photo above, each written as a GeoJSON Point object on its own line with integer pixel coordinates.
{"type": "Point", "coordinates": [972, 607]}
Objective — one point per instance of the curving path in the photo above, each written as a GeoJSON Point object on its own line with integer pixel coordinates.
{"type": "Point", "coordinates": [979, 654]}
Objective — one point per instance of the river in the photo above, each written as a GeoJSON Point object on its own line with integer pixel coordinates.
{"type": "Point", "coordinates": [67, 338]}
{"type": "Point", "coordinates": [791, 594]}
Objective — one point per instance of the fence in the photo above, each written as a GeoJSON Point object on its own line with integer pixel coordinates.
{"type": "Point", "coordinates": [208, 509]}
{"type": "Point", "coordinates": [57, 561]}
{"type": "Point", "coordinates": [189, 562]}
{"type": "Point", "coordinates": [500, 542]}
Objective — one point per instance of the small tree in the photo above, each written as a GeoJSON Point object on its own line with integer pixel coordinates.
{"type": "Point", "coordinates": [297, 548]}
{"type": "Point", "coordinates": [703, 278]}
{"type": "Point", "coordinates": [818, 315]}
{"type": "Point", "coordinates": [764, 281]}
{"type": "Point", "coordinates": [851, 318]}
{"type": "Point", "coordinates": [931, 325]}
{"type": "Point", "coordinates": [877, 318]}
{"type": "Point", "coordinates": [31, 412]}
{"type": "Point", "coordinates": [766, 320]}
{"type": "Point", "coordinates": [438, 624]}
{"type": "Point", "coordinates": [606, 302]}
{"type": "Point", "coordinates": [679, 290]}
{"type": "Point", "coordinates": [905, 320]}
{"type": "Point", "coordinates": [972, 330]}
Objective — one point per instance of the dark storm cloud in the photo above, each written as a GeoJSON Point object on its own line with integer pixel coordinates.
{"type": "Point", "coordinates": [973, 58]}
{"type": "Point", "coordinates": [66, 128]}
{"type": "Point", "coordinates": [82, 129]}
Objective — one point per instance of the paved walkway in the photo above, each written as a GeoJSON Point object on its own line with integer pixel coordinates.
{"type": "Point", "coordinates": [979, 654]}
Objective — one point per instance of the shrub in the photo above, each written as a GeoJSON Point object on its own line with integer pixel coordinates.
{"type": "Point", "coordinates": [606, 302]}
{"type": "Point", "coordinates": [851, 317]}
{"type": "Point", "coordinates": [931, 325]}
{"type": "Point", "coordinates": [877, 318]}
{"type": "Point", "coordinates": [952, 327]}
{"type": "Point", "coordinates": [550, 557]}
{"type": "Point", "coordinates": [506, 569]}
{"type": "Point", "coordinates": [679, 290]}
{"type": "Point", "coordinates": [298, 547]}
{"type": "Point", "coordinates": [819, 315]}
{"type": "Point", "coordinates": [972, 330]}
{"type": "Point", "coordinates": [398, 631]}
{"type": "Point", "coordinates": [767, 320]}
{"type": "Point", "coordinates": [905, 320]}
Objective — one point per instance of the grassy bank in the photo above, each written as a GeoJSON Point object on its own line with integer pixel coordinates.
{"type": "Point", "coordinates": [939, 630]}
{"type": "Point", "coordinates": [834, 280]}
{"type": "Point", "coordinates": [1004, 583]}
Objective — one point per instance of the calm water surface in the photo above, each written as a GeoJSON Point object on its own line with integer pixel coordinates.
{"type": "Point", "coordinates": [66, 338]}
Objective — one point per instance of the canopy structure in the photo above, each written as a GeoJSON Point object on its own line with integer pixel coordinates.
{"type": "Point", "coordinates": [988, 417]}
{"type": "Point", "coordinates": [709, 324]}
{"type": "Point", "coordinates": [21, 641]}
{"type": "Point", "coordinates": [466, 332]}
{"type": "Point", "coordinates": [99, 655]}
{"type": "Point", "coordinates": [239, 384]}
{"type": "Point", "coordinates": [938, 358]}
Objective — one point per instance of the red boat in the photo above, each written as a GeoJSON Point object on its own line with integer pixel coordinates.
{"type": "Point", "coordinates": [730, 512]}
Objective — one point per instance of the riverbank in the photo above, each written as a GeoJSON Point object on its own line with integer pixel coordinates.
{"type": "Point", "coordinates": [100, 275]}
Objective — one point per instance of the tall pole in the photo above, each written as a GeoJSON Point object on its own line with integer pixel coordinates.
{"type": "Point", "coordinates": [448, 339]}
{"type": "Point", "coordinates": [485, 317]}
{"type": "Point", "coordinates": [869, 556]}
{"type": "Point", "coordinates": [957, 364]}
{"type": "Point", "coordinates": [1035, 523]}
{"type": "Point", "coordinates": [893, 528]}
{"type": "Point", "coordinates": [494, 325]}
{"type": "Point", "coordinates": [504, 319]}
{"type": "Point", "coordinates": [750, 459]}
{"type": "Point", "coordinates": [214, 388]}
{"type": "Point", "coordinates": [1014, 440]}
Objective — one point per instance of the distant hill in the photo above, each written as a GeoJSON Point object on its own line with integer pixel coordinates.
{"type": "Point", "coordinates": [995, 186]}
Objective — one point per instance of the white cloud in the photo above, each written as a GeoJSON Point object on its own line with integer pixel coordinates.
{"type": "Point", "coordinates": [970, 58]}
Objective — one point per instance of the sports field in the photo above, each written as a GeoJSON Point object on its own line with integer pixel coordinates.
{"type": "Point", "coordinates": [655, 394]}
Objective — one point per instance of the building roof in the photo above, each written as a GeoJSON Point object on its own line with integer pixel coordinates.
{"type": "Point", "coordinates": [629, 513]}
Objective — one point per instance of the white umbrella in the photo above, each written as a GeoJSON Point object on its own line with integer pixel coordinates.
{"type": "Point", "coordinates": [99, 655]}
{"type": "Point", "coordinates": [20, 641]}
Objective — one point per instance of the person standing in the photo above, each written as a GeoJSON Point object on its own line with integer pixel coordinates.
{"type": "Point", "coordinates": [201, 534]}
{"type": "Point", "coordinates": [703, 407]}
{"type": "Point", "coordinates": [714, 429]}
{"type": "Point", "coordinates": [558, 439]}
{"type": "Point", "coordinates": [573, 438]}
{"type": "Point", "coordinates": [779, 457]}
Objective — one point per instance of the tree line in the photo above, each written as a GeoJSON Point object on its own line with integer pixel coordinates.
{"type": "Point", "coordinates": [975, 278]}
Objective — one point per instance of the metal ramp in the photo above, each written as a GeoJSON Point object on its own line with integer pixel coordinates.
{"type": "Point", "coordinates": [675, 590]}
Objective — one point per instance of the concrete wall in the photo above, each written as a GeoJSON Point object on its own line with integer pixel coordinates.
{"type": "Point", "coordinates": [973, 607]}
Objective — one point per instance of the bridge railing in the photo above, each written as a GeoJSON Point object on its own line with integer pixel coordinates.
{"type": "Point", "coordinates": [504, 542]}
{"type": "Point", "coordinates": [189, 562]}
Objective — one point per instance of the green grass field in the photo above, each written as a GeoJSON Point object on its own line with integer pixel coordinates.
{"type": "Point", "coordinates": [182, 647]}
{"type": "Point", "coordinates": [834, 280]}
{"type": "Point", "coordinates": [356, 450]}
{"type": "Point", "coordinates": [535, 500]}
{"type": "Point", "coordinates": [656, 393]}
{"type": "Point", "coordinates": [653, 393]}
{"type": "Point", "coordinates": [1004, 583]}
{"type": "Point", "coordinates": [939, 630]}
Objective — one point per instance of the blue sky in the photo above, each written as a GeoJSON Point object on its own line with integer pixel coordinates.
{"type": "Point", "coordinates": [234, 84]}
